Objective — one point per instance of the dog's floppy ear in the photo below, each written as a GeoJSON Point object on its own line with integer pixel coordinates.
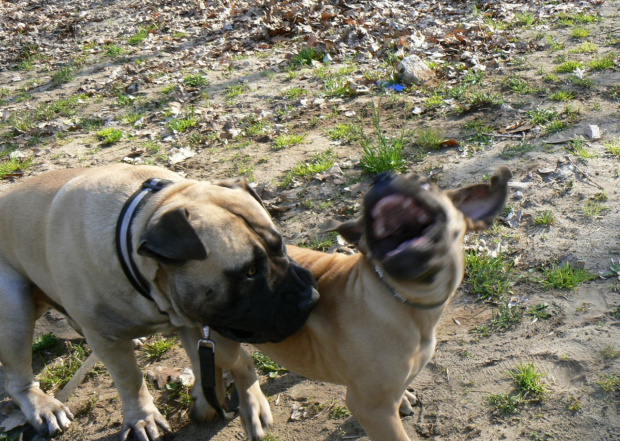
{"type": "Point", "coordinates": [172, 239]}
{"type": "Point", "coordinates": [351, 231]}
{"type": "Point", "coordinates": [239, 183]}
{"type": "Point", "coordinates": [481, 202]}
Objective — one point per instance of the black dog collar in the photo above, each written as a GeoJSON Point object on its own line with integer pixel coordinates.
{"type": "Point", "coordinates": [124, 247]}
{"type": "Point", "coordinates": [402, 299]}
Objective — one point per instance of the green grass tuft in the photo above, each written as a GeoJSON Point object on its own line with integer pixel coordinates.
{"type": "Point", "coordinates": [157, 348]}
{"type": "Point", "coordinates": [488, 277]}
{"type": "Point", "coordinates": [109, 136]}
{"type": "Point", "coordinates": [267, 365]}
{"type": "Point", "coordinates": [564, 276]}
{"type": "Point", "coordinates": [286, 140]}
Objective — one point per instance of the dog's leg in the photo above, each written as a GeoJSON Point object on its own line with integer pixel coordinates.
{"type": "Point", "coordinates": [378, 415]}
{"type": "Point", "coordinates": [409, 400]}
{"type": "Point", "coordinates": [201, 410]}
{"type": "Point", "coordinates": [253, 406]}
{"type": "Point", "coordinates": [17, 317]}
{"type": "Point", "coordinates": [140, 415]}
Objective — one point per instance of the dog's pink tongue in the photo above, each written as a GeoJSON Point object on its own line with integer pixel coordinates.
{"type": "Point", "coordinates": [394, 211]}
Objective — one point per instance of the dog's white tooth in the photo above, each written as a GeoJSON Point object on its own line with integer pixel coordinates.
{"type": "Point", "coordinates": [407, 203]}
{"type": "Point", "coordinates": [380, 230]}
{"type": "Point", "coordinates": [423, 217]}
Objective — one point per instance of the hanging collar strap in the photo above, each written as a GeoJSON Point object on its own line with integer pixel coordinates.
{"type": "Point", "coordinates": [402, 299]}
{"type": "Point", "coordinates": [124, 246]}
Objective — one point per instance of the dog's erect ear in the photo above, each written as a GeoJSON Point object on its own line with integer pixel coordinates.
{"type": "Point", "coordinates": [480, 203]}
{"type": "Point", "coordinates": [351, 231]}
{"type": "Point", "coordinates": [239, 183]}
{"type": "Point", "coordinates": [172, 239]}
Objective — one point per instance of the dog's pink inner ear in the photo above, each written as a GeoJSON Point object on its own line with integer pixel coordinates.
{"type": "Point", "coordinates": [482, 202]}
{"type": "Point", "coordinates": [172, 239]}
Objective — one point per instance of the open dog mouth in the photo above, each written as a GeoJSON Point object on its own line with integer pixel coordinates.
{"type": "Point", "coordinates": [403, 222]}
{"type": "Point", "coordinates": [400, 222]}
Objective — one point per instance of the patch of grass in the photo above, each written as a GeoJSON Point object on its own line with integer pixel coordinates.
{"type": "Point", "coordinates": [45, 342]}
{"type": "Point", "coordinates": [506, 316]}
{"type": "Point", "coordinates": [566, 19]}
{"type": "Point", "coordinates": [478, 133]}
{"type": "Point", "coordinates": [132, 117]}
{"type": "Point", "coordinates": [429, 139]}
{"type": "Point", "coordinates": [157, 348]}
{"type": "Point", "coordinates": [545, 218]}
{"type": "Point", "coordinates": [295, 92]}
{"type": "Point", "coordinates": [584, 48]}
{"type": "Point", "coordinates": [305, 56]}
{"type": "Point", "coordinates": [489, 277]}
{"type": "Point", "coordinates": [609, 352]}
{"type": "Point", "coordinates": [109, 136]}
{"type": "Point", "coordinates": [540, 311]}
{"type": "Point", "coordinates": [510, 151]}
{"type": "Point", "coordinates": [62, 76]}
{"type": "Point", "coordinates": [320, 242]}
{"type": "Point", "coordinates": [562, 95]}
{"type": "Point", "coordinates": [123, 100]}
{"type": "Point", "coordinates": [594, 208]}
{"type": "Point", "coordinates": [579, 81]}
{"type": "Point", "coordinates": [504, 403]}
{"type": "Point", "coordinates": [564, 276]}
{"type": "Point", "coordinates": [519, 85]}
{"type": "Point", "coordinates": [555, 126]}
{"type": "Point", "coordinates": [579, 32]}
{"type": "Point", "coordinates": [182, 124]}
{"type": "Point", "coordinates": [481, 98]}
{"type": "Point", "coordinates": [320, 162]}
{"type": "Point", "coordinates": [90, 123]}
{"type": "Point", "coordinates": [13, 165]}
{"type": "Point", "coordinates": [138, 37]}
{"type": "Point", "coordinates": [111, 50]}
{"type": "Point", "coordinates": [574, 404]}
{"type": "Point", "coordinates": [610, 383]}
{"type": "Point", "coordinates": [602, 63]}
{"type": "Point", "coordinates": [577, 147]}
{"type": "Point", "coordinates": [528, 381]}
{"type": "Point", "coordinates": [267, 365]}
{"type": "Point", "coordinates": [612, 148]}
{"type": "Point", "coordinates": [339, 412]}
{"type": "Point", "coordinates": [382, 153]}
{"type": "Point", "coordinates": [528, 388]}
{"type": "Point", "coordinates": [195, 81]}
{"type": "Point", "coordinates": [286, 140]}
{"type": "Point", "coordinates": [524, 19]}
{"type": "Point", "coordinates": [235, 90]}
{"type": "Point", "coordinates": [57, 374]}
{"type": "Point", "coordinates": [346, 132]}
{"type": "Point", "coordinates": [568, 67]}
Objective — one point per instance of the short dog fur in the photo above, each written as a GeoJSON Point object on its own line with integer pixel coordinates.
{"type": "Point", "coordinates": [209, 253]}
{"type": "Point", "coordinates": [361, 334]}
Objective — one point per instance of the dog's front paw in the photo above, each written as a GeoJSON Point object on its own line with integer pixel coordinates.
{"type": "Point", "coordinates": [201, 410]}
{"type": "Point", "coordinates": [255, 412]}
{"type": "Point", "coordinates": [46, 414]}
{"type": "Point", "coordinates": [144, 424]}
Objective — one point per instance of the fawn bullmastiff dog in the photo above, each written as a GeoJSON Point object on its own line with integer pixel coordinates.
{"type": "Point", "coordinates": [373, 329]}
{"type": "Point", "coordinates": [126, 251]}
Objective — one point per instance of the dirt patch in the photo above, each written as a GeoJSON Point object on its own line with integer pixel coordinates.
{"type": "Point", "coordinates": [220, 89]}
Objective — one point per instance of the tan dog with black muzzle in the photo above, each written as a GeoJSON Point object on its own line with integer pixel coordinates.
{"type": "Point", "coordinates": [194, 254]}
{"type": "Point", "coordinates": [373, 329]}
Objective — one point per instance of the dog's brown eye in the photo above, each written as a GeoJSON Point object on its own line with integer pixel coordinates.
{"type": "Point", "coordinates": [251, 272]}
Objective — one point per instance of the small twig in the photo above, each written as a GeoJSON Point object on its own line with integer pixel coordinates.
{"type": "Point", "coordinates": [584, 174]}
{"type": "Point", "coordinates": [509, 136]}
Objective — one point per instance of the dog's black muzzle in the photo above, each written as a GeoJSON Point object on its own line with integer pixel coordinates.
{"type": "Point", "coordinates": [266, 315]}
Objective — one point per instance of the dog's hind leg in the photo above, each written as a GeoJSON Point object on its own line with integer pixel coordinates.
{"type": "Point", "coordinates": [378, 415]}
{"type": "Point", "coordinates": [17, 316]}
{"type": "Point", "coordinates": [409, 400]}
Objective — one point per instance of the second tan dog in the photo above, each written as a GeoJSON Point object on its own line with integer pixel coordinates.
{"type": "Point", "coordinates": [374, 327]}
